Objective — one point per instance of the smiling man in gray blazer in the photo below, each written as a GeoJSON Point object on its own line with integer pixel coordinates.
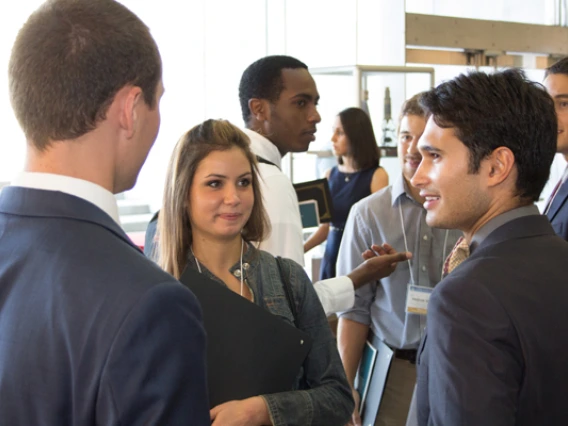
{"type": "Point", "coordinates": [91, 332]}
{"type": "Point", "coordinates": [494, 352]}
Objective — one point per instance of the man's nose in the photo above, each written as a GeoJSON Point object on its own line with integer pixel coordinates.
{"type": "Point", "coordinates": [314, 116]}
{"type": "Point", "coordinates": [412, 147]}
{"type": "Point", "coordinates": [419, 179]}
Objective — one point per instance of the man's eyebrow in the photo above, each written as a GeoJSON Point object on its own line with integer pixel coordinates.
{"type": "Point", "coordinates": [305, 96]}
{"type": "Point", "coordinates": [430, 149]}
{"type": "Point", "coordinates": [561, 96]}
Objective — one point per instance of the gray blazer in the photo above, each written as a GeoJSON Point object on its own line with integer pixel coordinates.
{"type": "Point", "coordinates": [496, 342]}
{"type": "Point", "coordinates": [91, 332]}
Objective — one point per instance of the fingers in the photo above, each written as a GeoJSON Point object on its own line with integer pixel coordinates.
{"type": "Point", "coordinates": [375, 251]}
{"type": "Point", "coordinates": [356, 420]}
{"type": "Point", "coordinates": [389, 259]}
{"type": "Point", "coordinates": [215, 411]}
{"type": "Point", "coordinates": [397, 257]}
{"type": "Point", "coordinates": [380, 250]}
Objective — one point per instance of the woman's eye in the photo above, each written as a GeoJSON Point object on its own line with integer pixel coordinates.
{"type": "Point", "coordinates": [245, 182]}
{"type": "Point", "coordinates": [214, 183]}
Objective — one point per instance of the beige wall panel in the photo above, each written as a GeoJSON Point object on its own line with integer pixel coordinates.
{"type": "Point", "coordinates": [443, 31]}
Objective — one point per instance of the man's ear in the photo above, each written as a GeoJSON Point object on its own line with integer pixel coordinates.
{"type": "Point", "coordinates": [259, 109]}
{"type": "Point", "coordinates": [500, 163]}
{"type": "Point", "coordinates": [130, 98]}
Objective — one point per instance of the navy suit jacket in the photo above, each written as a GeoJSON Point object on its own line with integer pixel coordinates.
{"type": "Point", "coordinates": [91, 332]}
{"type": "Point", "coordinates": [496, 342]}
{"type": "Point", "coordinates": [558, 212]}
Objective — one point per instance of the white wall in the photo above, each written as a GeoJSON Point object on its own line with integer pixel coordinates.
{"type": "Point", "coordinates": [206, 44]}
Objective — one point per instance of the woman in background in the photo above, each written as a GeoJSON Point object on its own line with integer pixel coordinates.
{"type": "Point", "coordinates": [357, 176]}
{"type": "Point", "coordinates": [212, 211]}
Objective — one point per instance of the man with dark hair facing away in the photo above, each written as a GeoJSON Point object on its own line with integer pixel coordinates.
{"type": "Point", "coordinates": [91, 332]}
{"type": "Point", "coordinates": [493, 352]}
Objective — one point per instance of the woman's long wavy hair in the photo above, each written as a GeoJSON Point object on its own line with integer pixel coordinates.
{"type": "Point", "coordinates": [174, 227]}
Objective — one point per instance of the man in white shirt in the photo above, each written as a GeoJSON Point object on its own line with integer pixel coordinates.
{"type": "Point", "coordinates": [279, 105]}
{"type": "Point", "coordinates": [279, 100]}
{"type": "Point", "coordinates": [91, 331]}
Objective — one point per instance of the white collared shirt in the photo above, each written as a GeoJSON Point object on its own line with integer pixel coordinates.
{"type": "Point", "coordinates": [280, 202]}
{"type": "Point", "coordinates": [335, 294]}
{"type": "Point", "coordinates": [86, 190]}
{"type": "Point", "coordinates": [286, 239]}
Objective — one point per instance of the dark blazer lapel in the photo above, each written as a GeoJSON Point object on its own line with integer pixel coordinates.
{"type": "Point", "coordinates": [559, 200]}
{"type": "Point", "coordinates": [40, 203]}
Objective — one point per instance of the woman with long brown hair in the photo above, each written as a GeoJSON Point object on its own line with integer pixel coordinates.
{"type": "Point", "coordinates": [211, 216]}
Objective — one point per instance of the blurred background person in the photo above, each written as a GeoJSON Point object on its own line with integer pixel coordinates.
{"type": "Point", "coordinates": [395, 215]}
{"type": "Point", "coordinates": [357, 175]}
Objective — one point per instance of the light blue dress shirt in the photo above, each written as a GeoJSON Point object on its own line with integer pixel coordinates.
{"type": "Point", "coordinates": [377, 220]}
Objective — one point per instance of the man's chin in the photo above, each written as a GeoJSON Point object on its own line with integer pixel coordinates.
{"type": "Point", "coordinates": [433, 221]}
{"type": "Point", "coordinates": [302, 147]}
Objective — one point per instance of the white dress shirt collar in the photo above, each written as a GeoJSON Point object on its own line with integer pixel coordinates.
{"type": "Point", "coordinates": [262, 147]}
{"type": "Point", "coordinates": [86, 190]}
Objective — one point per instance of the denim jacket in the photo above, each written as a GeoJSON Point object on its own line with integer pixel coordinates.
{"type": "Point", "coordinates": [321, 395]}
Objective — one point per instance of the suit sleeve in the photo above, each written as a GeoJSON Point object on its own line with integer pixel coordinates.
{"type": "Point", "coordinates": [474, 370]}
{"type": "Point", "coordinates": [155, 373]}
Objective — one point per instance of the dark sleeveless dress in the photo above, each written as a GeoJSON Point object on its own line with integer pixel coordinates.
{"type": "Point", "coordinates": [346, 189]}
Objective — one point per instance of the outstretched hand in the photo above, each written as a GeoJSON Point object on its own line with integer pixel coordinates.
{"type": "Point", "coordinates": [380, 262]}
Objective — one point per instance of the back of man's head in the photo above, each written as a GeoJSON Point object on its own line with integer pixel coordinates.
{"type": "Point", "coordinates": [263, 80]}
{"type": "Point", "coordinates": [559, 67]}
{"type": "Point", "coordinates": [503, 109]}
{"type": "Point", "coordinates": [70, 59]}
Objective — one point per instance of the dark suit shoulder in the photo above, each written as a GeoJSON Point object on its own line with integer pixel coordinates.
{"type": "Point", "coordinates": [100, 329]}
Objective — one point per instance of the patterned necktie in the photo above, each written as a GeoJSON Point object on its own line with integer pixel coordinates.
{"type": "Point", "coordinates": [459, 253]}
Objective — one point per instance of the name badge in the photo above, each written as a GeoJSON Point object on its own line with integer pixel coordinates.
{"type": "Point", "coordinates": [417, 298]}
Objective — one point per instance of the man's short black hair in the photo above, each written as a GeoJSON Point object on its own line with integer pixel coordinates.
{"type": "Point", "coordinates": [488, 111]}
{"type": "Point", "coordinates": [263, 80]}
{"type": "Point", "coordinates": [560, 67]}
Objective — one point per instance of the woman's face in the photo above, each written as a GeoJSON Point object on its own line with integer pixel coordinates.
{"type": "Point", "coordinates": [221, 195]}
{"type": "Point", "coordinates": [339, 139]}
